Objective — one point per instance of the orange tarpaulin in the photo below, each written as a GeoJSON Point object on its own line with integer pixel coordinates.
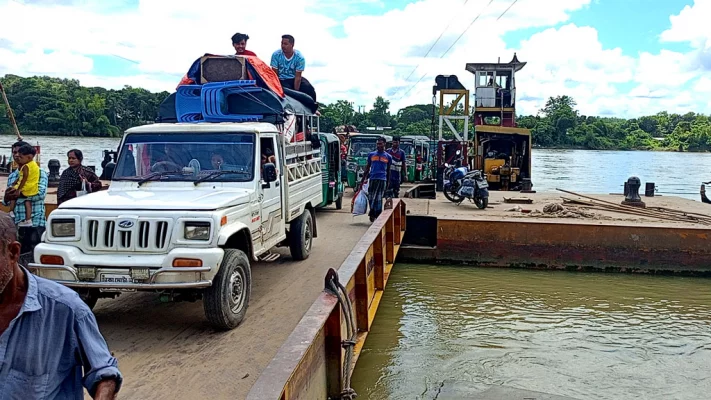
{"type": "Point", "coordinates": [266, 73]}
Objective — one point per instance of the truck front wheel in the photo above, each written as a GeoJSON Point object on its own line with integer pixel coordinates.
{"type": "Point", "coordinates": [301, 236]}
{"type": "Point", "coordinates": [226, 301]}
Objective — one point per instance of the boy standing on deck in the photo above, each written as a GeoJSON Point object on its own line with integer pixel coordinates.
{"type": "Point", "coordinates": [376, 172]}
{"type": "Point", "coordinates": [28, 182]}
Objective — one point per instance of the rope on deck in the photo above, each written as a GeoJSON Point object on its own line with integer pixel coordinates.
{"type": "Point", "coordinates": [338, 290]}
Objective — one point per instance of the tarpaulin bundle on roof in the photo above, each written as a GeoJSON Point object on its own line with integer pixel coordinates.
{"type": "Point", "coordinates": [249, 88]}
{"type": "Point", "coordinates": [237, 67]}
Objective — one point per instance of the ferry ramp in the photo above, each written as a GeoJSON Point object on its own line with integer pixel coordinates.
{"type": "Point", "coordinates": [168, 351]}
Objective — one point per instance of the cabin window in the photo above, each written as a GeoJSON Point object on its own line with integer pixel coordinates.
{"type": "Point", "coordinates": [267, 147]}
{"type": "Point", "coordinates": [486, 78]}
{"type": "Point", "coordinates": [502, 81]}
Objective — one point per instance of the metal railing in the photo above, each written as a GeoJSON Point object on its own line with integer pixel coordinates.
{"type": "Point", "coordinates": [319, 355]}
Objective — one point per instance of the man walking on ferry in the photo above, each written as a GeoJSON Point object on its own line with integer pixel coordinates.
{"type": "Point", "coordinates": [376, 173]}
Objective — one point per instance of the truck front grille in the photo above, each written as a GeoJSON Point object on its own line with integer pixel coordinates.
{"type": "Point", "coordinates": [145, 234]}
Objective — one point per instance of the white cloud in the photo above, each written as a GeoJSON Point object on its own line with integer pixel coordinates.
{"type": "Point", "coordinates": [35, 61]}
{"type": "Point", "coordinates": [703, 85]}
{"type": "Point", "coordinates": [691, 25]}
{"type": "Point", "coordinates": [373, 55]}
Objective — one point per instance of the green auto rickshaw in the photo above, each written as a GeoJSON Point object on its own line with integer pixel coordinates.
{"type": "Point", "coordinates": [418, 167]}
{"type": "Point", "coordinates": [407, 145]}
{"type": "Point", "coordinates": [333, 185]}
{"type": "Point", "coordinates": [359, 148]}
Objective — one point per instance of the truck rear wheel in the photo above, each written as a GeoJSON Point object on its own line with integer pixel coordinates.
{"type": "Point", "coordinates": [300, 236]}
{"type": "Point", "coordinates": [226, 301]}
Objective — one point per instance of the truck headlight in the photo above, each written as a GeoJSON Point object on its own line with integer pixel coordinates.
{"type": "Point", "coordinates": [197, 230]}
{"type": "Point", "coordinates": [63, 228]}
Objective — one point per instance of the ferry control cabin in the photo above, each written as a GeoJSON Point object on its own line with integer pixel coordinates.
{"type": "Point", "coordinates": [500, 148]}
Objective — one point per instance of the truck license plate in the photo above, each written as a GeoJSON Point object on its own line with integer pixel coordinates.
{"type": "Point", "coordinates": [116, 278]}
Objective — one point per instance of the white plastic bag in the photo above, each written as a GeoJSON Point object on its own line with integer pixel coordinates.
{"type": "Point", "coordinates": [83, 190]}
{"type": "Point", "coordinates": [360, 205]}
{"type": "Point", "coordinates": [290, 127]}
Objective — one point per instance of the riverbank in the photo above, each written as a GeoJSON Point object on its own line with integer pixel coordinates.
{"type": "Point", "coordinates": [655, 149]}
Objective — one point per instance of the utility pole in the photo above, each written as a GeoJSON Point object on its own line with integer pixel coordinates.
{"type": "Point", "coordinates": [10, 115]}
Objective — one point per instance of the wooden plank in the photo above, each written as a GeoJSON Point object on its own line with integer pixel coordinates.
{"type": "Point", "coordinates": [518, 200]}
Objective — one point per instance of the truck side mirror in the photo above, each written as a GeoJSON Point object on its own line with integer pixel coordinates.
{"type": "Point", "coordinates": [269, 171]}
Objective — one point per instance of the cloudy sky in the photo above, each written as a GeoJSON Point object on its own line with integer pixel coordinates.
{"type": "Point", "coordinates": [615, 57]}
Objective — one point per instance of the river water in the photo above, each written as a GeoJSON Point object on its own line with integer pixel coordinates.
{"type": "Point", "coordinates": [588, 336]}
{"type": "Point", "coordinates": [56, 147]}
{"type": "Point", "coordinates": [602, 172]}
{"type": "Point", "coordinates": [583, 171]}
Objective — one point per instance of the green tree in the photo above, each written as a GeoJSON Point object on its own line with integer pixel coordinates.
{"type": "Point", "coordinates": [380, 114]}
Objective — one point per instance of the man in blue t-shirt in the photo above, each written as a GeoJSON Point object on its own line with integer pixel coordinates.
{"type": "Point", "coordinates": [289, 64]}
{"type": "Point", "coordinates": [398, 171]}
{"type": "Point", "coordinates": [377, 172]}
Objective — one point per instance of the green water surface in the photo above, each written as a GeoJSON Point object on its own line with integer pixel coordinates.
{"type": "Point", "coordinates": [589, 336]}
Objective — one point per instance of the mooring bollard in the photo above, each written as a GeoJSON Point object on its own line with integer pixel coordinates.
{"type": "Point", "coordinates": [527, 186]}
{"type": "Point", "coordinates": [108, 171]}
{"type": "Point", "coordinates": [53, 178]}
{"type": "Point", "coordinates": [632, 197]}
{"type": "Point", "coordinates": [649, 189]}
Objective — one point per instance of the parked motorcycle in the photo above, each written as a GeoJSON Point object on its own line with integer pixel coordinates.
{"type": "Point", "coordinates": [460, 184]}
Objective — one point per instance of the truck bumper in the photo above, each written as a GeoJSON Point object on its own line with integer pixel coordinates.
{"type": "Point", "coordinates": [119, 272]}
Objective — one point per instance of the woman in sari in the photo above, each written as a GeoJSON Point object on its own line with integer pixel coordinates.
{"type": "Point", "coordinates": [75, 177]}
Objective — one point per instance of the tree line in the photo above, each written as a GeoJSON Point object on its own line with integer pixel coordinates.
{"type": "Point", "coordinates": [62, 107]}
{"type": "Point", "coordinates": [54, 106]}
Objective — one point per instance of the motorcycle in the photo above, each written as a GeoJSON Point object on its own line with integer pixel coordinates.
{"type": "Point", "coordinates": [460, 184]}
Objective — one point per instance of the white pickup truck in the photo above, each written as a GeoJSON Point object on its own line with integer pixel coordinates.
{"type": "Point", "coordinates": [188, 207]}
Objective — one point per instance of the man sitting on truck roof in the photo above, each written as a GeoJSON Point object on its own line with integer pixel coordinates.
{"type": "Point", "coordinates": [289, 64]}
{"type": "Point", "coordinates": [239, 42]}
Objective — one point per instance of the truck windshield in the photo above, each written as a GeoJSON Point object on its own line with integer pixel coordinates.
{"type": "Point", "coordinates": [362, 148]}
{"type": "Point", "coordinates": [186, 157]}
